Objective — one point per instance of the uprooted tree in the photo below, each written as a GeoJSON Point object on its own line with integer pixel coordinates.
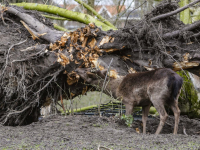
{"type": "Point", "coordinates": [37, 62]}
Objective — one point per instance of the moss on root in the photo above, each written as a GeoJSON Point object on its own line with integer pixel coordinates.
{"type": "Point", "coordinates": [188, 100]}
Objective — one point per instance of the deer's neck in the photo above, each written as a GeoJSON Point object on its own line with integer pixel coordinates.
{"type": "Point", "coordinates": [111, 86]}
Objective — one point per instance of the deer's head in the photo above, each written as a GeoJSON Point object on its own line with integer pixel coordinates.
{"type": "Point", "coordinates": [91, 76]}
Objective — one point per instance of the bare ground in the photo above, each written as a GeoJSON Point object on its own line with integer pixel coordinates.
{"type": "Point", "coordinates": [90, 132]}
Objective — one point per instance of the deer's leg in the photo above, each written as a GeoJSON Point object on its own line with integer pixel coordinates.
{"type": "Point", "coordinates": [62, 104]}
{"type": "Point", "coordinates": [129, 107]}
{"type": "Point", "coordinates": [145, 112]}
{"type": "Point", "coordinates": [163, 116]}
{"type": "Point", "coordinates": [176, 111]}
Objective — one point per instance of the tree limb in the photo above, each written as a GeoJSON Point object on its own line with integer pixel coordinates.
{"type": "Point", "coordinates": [55, 17]}
{"type": "Point", "coordinates": [60, 28]}
{"type": "Point", "coordinates": [187, 28]}
{"type": "Point", "coordinates": [77, 16]}
{"type": "Point", "coordinates": [96, 14]}
{"type": "Point", "coordinates": [51, 35]}
{"type": "Point", "coordinates": [173, 12]}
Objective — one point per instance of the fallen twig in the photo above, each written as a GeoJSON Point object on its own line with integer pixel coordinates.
{"type": "Point", "coordinates": [184, 131]}
{"type": "Point", "coordinates": [99, 148]}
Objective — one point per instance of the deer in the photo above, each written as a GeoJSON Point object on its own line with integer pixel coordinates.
{"type": "Point", "coordinates": [159, 87]}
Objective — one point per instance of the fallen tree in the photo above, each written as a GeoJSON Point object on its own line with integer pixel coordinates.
{"type": "Point", "coordinates": [40, 68]}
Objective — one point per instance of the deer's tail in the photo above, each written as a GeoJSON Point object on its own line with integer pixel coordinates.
{"type": "Point", "coordinates": [175, 83]}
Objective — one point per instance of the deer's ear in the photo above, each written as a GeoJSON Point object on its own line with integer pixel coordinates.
{"type": "Point", "coordinates": [104, 71]}
{"type": "Point", "coordinates": [91, 75]}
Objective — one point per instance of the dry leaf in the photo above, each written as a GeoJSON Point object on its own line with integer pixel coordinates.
{"type": "Point", "coordinates": [150, 62]}
{"type": "Point", "coordinates": [186, 57]}
{"type": "Point", "coordinates": [84, 90]}
{"type": "Point", "coordinates": [59, 59]}
{"type": "Point", "coordinates": [92, 25]}
{"type": "Point", "coordinates": [70, 49]}
{"type": "Point", "coordinates": [92, 43]}
{"type": "Point", "coordinates": [87, 64]}
{"type": "Point", "coordinates": [131, 70]}
{"type": "Point", "coordinates": [97, 30]}
{"type": "Point", "coordinates": [137, 130]}
{"type": "Point", "coordinates": [72, 78]}
{"type": "Point", "coordinates": [148, 68]}
{"type": "Point", "coordinates": [113, 74]}
{"type": "Point", "coordinates": [62, 59]}
{"type": "Point", "coordinates": [71, 57]}
{"type": "Point", "coordinates": [84, 42]}
{"type": "Point", "coordinates": [110, 50]}
{"type": "Point", "coordinates": [76, 62]}
{"type": "Point", "coordinates": [100, 67]}
{"type": "Point", "coordinates": [88, 31]}
{"type": "Point", "coordinates": [79, 55]}
{"type": "Point", "coordinates": [126, 58]}
{"type": "Point", "coordinates": [53, 46]}
{"type": "Point", "coordinates": [82, 37]}
{"type": "Point", "coordinates": [66, 35]}
{"type": "Point", "coordinates": [63, 40]}
{"type": "Point", "coordinates": [112, 40]}
{"type": "Point", "coordinates": [74, 37]}
{"type": "Point", "coordinates": [65, 72]}
{"type": "Point", "coordinates": [106, 39]}
{"type": "Point", "coordinates": [72, 95]}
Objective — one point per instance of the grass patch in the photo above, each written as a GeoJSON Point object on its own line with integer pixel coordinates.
{"type": "Point", "coordinates": [84, 102]}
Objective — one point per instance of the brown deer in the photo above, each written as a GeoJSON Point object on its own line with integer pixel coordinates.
{"type": "Point", "coordinates": [159, 87]}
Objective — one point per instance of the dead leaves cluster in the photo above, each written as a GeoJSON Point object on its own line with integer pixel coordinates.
{"type": "Point", "coordinates": [79, 46]}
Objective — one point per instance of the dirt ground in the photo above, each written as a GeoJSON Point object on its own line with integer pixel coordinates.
{"type": "Point", "coordinates": [91, 132]}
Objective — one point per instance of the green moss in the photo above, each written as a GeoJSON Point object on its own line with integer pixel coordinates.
{"type": "Point", "coordinates": [152, 110]}
{"type": "Point", "coordinates": [188, 100]}
{"type": "Point", "coordinates": [96, 125]}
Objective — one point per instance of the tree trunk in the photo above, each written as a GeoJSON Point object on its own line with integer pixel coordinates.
{"type": "Point", "coordinates": [34, 71]}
